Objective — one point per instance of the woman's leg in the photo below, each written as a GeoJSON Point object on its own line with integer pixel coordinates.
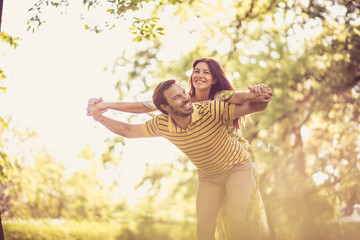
{"type": "Point", "coordinates": [209, 198]}
{"type": "Point", "coordinates": [238, 187]}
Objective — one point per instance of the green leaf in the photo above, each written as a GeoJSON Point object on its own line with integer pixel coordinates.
{"type": "Point", "coordinates": [137, 39]}
{"type": "Point", "coordinates": [111, 11]}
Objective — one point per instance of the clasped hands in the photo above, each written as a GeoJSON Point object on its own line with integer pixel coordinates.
{"type": "Point", "coordinates": [260, 93]}
{"type": "Point", "coordinates": [96, 107]}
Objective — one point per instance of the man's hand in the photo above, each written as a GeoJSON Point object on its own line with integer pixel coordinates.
{"type": "Point", "coordinates": [96, 105]}
{"type": "Point", "coordinates": [96, 116]}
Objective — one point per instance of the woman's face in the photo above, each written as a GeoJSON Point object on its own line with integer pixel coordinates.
{"type": "Point", "coordinates": [202, 79]}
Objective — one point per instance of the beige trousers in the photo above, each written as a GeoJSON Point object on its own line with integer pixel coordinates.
{"type": "Point", "coordinates": [236, 185]}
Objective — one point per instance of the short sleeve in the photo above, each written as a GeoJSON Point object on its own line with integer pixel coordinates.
{"type": "Point", "coordinates": [224, 95]}
{"type": "Point", "coordinates": [222, 111]}
{"type": "Point", "coordinates": [151, 127]}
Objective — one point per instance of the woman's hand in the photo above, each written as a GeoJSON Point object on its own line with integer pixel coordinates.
{"type": "Point", "coordinates": [260, 93]}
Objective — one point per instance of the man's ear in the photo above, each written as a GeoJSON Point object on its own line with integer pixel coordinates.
{"type": "Point", "coordinates": [165, 107]}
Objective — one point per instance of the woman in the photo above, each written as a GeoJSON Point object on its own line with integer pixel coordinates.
{"type": "Point", "coordinates": [203, 86]}
{"type": "Point", "coordinates": [208, 81]}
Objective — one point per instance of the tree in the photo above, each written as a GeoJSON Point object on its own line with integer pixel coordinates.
{"type": "Point", "coordinates": [115, 9]}
{"type": "Point", "coordinates": [308, 53]}
{"type": "Point", "coordinates": [4, 162]}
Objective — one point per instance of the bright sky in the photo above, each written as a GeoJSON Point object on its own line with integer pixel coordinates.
{"type": "Point", "coordinates": [50, 77]}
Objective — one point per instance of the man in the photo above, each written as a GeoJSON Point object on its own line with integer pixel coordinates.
{"type": "Point", "coordinates": [200, 131]}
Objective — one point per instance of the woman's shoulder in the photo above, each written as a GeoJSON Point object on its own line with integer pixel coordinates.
{"type": "Point", "coordinates": [224, 95]}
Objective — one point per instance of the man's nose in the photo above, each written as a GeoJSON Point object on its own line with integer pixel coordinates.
{"type": "Point", "coordinates": [185, 97]}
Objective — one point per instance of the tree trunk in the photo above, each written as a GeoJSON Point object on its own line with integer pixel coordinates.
{"type": "Point", "coordinates": [1, 230]}
{"type": "Point", "coordinates": [1, 8]}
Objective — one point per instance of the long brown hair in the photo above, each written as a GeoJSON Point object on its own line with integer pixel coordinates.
{"type": "Point", "coordinates": [222, 82]}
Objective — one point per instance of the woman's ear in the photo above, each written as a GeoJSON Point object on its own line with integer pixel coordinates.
{"type": "Point", "coordinates": [214, 81]}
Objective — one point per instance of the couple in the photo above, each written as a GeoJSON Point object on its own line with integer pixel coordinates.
{"type": "Point", "coordinates": [228, 196]}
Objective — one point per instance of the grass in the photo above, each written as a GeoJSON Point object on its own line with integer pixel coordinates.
{"type": "Point", "coordinates": [86, 230]}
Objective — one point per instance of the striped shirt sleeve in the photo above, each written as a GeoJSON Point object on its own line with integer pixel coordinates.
{"type": "Point", "coordinates": [223, 112]}
{"type": "Point", "coordinates": [150, 128]}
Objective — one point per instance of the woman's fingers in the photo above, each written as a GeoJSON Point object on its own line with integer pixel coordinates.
{"type": "Point", "coordinates": [92, 100]}
{"type": "Point", "coordinates": [261, 89]}
{"type": "Point", "coordinates": [99, 100]}
{"type": "Point", "coordinates": [95, 100]}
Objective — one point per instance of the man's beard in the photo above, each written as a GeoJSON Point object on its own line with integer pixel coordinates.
{"type": "Point", "coordinates": [180, 113]}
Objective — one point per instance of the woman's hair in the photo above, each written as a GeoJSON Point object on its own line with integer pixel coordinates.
{"type": "Point", "coordinates": [222, 83]}
{"type": "Point", "coordinates": [158, 95]}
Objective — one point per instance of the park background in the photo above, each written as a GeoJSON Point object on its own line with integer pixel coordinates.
{"type": "Point", "coordinates": [64, 176]}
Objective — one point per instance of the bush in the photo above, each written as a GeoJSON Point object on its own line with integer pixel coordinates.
{"type": "Point", "coordinates": [54, 230]}
{"type": "Point", "coordinates": [71, 230]}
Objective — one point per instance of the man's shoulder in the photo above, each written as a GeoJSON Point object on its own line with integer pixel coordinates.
{"type": "Point", "coordinates": [161, 117]}
{"type": "Point", "coordinates": [156, 124]}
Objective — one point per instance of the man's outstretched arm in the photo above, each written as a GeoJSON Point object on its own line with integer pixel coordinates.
{"type": "Point", "coordinates": [121, 128]}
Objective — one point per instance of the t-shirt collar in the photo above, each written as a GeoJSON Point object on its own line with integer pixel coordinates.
{"type": "Point", "coordinates": [194, 117]}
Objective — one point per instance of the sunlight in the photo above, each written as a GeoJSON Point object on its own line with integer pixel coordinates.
{"type": "Point", "coordinates": [305, 133]}
{"type": "Point", "coordinates": [68, 166]}
{"type": "Point", "coordinates": [319, 178]}
{"type": "Point", "coordinates": [137, 153]}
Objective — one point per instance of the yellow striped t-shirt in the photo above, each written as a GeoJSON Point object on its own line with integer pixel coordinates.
{"type": "Point", "coordinates": [206, 141]}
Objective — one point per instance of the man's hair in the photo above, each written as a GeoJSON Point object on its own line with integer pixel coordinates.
{"type": "Point", "coordinates": [158, 95]}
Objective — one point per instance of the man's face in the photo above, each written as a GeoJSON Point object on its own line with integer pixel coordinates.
{"type": "Point", "coordinates": [179, 101]}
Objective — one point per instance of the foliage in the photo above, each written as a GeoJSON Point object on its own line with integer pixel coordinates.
{"type": "Point", "coordinates": [50, 193]}
{"type": "Point", "coordinates": [168, 185]}
{"type": "Point", "coordinates": [5, 165]}
{"type": "Point", "coordinates": [47, 229]}
{"type": "Point", "coordinates": [40, 187]}
{"type": "Point", "coordinates": [116, 9]}
{"type": "Point", "coordinates": [12, 41]}
{"type": "Point", "coordinates": [59, 229]}
{"type": "Point", "coordinates": [71, 230]}
{"type": "Point", "coordinates": [308, 52]}
{"type": "Point", "coordinates": [145, 28]}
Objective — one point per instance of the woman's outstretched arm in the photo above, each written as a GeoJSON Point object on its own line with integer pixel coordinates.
{"type": "Point", "coordinates": [260, 93]}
